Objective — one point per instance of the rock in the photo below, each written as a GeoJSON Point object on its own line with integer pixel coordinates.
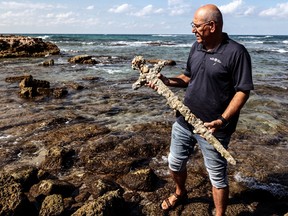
{"type": "Point", "coordinates": [49, 62]}
{"type": "Point", "coordinates": [13, 201]}
{"type": "Point", "coordinates": [58, 158]}
{"type": "Point", "coordinates": [60, 92]}
{"type": "Point", "coordinates": [75, 86]}
{"type": "Point", "coordinates": [155, 61]}
{"type": "Point", "coordinates": [29, 87]}
{"type": "Point", "coordinates": [22, 46]}
{"type": "Point", "coordinates": [16, 79]}
{"type": "Point", "coordinates": [111, 203]}
{"type": "Point", "coordinates": [90, 78]}
{"type": "Point", "coordinates": [52, 205]}
{"type": "Point", "coordinates": [140, 180]}
{"type": "Point", "coordinates": [82, 59]}
{"type": "Point", "coordinates": [51, 186]}
{"type": "Point", "coordinates": [102, 186]}
{"type": "Point", "coordinates": [26, 176]}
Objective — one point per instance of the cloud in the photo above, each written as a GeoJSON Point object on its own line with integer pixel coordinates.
{"type": "Point", "coordinates": [121, 8]}
{"type": "Point", "coordinates": [280, 11]}
{"type": "Point", "coordinates": [231, 7]}
{"type": "Point", "coordinates": [148, 10]}
{"type": "Point", "coordinates": [178, 7]}
{"type": "Point", "coordinates": [91, 7]}
{"type": "Point", "coordinates": [249, 11]}
{"type": "Point", "coordinates": [175, 2]}
{"type": "Point", "coordinates": [20, 6]}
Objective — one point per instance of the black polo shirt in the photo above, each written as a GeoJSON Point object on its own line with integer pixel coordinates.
{"type": "Point", "coordinates": [215, 78]}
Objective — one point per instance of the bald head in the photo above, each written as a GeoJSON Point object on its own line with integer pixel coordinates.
{"type": "Point", "coordinates": [209, 12]}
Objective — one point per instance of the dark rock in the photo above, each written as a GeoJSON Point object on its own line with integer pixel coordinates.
{"type": "Point", "coordinates": [75, 86]}
{"type": "Point", "coordinates": [52, 205]}
{"type": "Point", "coordinates": [29, 87]}
{"type": "Point", "coordinates": [90, 78]}
{"type": "Point", "coordinates": [52, 186]}
{"type": "Point", "coordinates": [22, 46]}
{"type": "Point", "coordinates": [111, 203]}
{"type": "Point", "coordinates": [60, 92]}
{"type": "Point", "coordinates": [82, 59]}
{"type": "Point", "coordinates": [168, 62]}
{"type": "Point", "coordinates": [58, 158]}
{"type": "Point", "coordinates": [16, 79]}
{"type": "Point", "coordinates": [49, 62]}
{"type": "Point", "coordinates": [26, 176]}
{"type": "Point", "coordinates": [12, 200]}
{"type": "Point", "coordinates": [140, 180]}
{"type": "Point", "coordinates": [102, 186]}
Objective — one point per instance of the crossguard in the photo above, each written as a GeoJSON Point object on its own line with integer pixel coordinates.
{"type": "Point", "coordinates": [146, 72]}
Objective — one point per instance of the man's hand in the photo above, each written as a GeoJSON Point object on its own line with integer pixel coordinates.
{"type": "Point", "coordinates": [214, 125]}
{"type": "Point", "coordinates": [164, 79]}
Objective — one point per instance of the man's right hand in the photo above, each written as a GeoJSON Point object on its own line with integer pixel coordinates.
{"type": "Point", "coordinates": [164, 79]}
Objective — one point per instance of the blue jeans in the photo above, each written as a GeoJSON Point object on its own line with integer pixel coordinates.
{"type": "Point", "coordinates": [182, 146]}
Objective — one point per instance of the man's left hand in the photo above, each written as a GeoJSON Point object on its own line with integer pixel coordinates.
{"type": "Point", "coordinates": [214, 125]}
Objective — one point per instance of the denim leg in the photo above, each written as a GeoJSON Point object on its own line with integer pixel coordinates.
{"type": "Point", "coordinates": [216, 165]}
{"type": "Point", "coordinates": [182, 145]}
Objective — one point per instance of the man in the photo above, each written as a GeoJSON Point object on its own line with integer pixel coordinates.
{"type": "Point", "coordinates": [218, 78]}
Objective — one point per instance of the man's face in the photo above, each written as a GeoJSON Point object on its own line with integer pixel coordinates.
{"type": "Point", "coordinates": [201, 29]}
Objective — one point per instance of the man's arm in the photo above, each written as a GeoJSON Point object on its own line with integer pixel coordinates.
{"type": "Point", "coordinates": [179, 81]}
{"type": "Point", "coordinates": [234, 107]}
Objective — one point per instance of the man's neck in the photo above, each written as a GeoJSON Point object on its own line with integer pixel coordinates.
{"type": "Point", "coordinates": [214, 42]}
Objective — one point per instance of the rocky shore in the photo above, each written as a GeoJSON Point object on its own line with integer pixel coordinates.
{"type": "Point", "coordinates": [74, 156]}
{"type": "Point", "coordinates": [21, 46]}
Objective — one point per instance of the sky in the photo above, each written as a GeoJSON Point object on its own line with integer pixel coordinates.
{"type": "Point", "coordinates": [261, 17]}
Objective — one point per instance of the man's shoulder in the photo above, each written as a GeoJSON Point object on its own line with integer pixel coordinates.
{"type": "Point", "coordinates": [233, 44]}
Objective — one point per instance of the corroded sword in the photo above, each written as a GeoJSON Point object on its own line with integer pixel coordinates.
{"type": "Point", "coordinates": [149, 74]}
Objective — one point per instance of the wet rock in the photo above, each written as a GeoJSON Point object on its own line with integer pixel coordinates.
{"type": "Point", "coordinates": [60, 92]}
{"type": "Point", "coordinates": [75, 86]}
{"type": "Point", "coordinates": [29, 87]}
{"type": "Point", "coordinates": [52, 205]}
{"type": "Point", "coordinates": [51, 186]}
{"type": "Point", "coordinates": [82, 59]}
{"type": "Point", "coordinates": [102, 186]}
{"type": "Point", "coordinates": [22, 46]}
{"type": "Point", "coordinates": [90, 78]}
{"type": "Point", "coordinates": [58, 158]}
{"type": "Point", "coordinates": [155, 61]}
{"type": "Point", "coordinates": [111, 203]}
{"type": "Point", "coordinates": [140, 180]}
{"type": "Point", "coordinates": [48, 63]}
{"type": "Point", "coordinates": [13, 201]}
{"type": "Point", "coordinates": [26, 176]}
{"type": "Point", "coordinates": [16, 79]}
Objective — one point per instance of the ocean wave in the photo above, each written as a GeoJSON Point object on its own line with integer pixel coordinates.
{"type": "Point", "coordinates": [164, 35]}
{"type": "Point", "coordinates": [44, 37]}
{"type": "Point", "coordinates": [254, 36]}
{"type": "Point", "coordinates": [274, 188]}
{"type": "Point", "coordinates": [280, 50]}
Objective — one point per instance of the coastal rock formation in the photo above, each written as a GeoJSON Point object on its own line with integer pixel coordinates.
{"type": "Point", "coordinates": [31, 88]}
{"type": "Point", "coordinates": [82, 59]}
{"type": "Point", "coordinates": [22, 46]}
{"type": "Point", "coordinates": [167, 62]}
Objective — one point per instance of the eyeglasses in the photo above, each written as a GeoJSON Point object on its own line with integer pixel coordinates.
{"type": "Point", "coordinates": [194, 25]}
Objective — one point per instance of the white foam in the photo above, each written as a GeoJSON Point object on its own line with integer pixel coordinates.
{"type": "Point", "coordinates": [274, 188]}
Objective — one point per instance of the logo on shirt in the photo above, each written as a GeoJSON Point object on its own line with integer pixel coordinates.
{"type": "Point", "coordinates": [215, 60]}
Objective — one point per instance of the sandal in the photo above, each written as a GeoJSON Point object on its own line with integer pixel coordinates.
{"type": "Point", "coordinates": [178, 200]}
